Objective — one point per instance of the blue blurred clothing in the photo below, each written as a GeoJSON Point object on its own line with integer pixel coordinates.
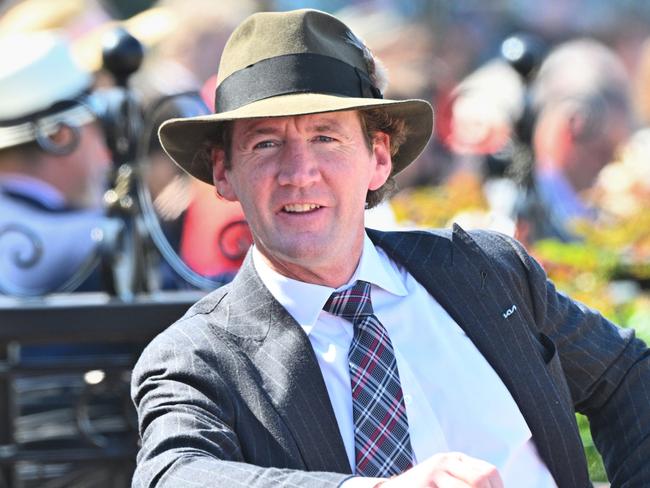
{"type": "Point", "coordinates": [563, 201]}
{"type": "Point", "coordinates": [558, 207]}
{"type": "Point", "coordinates": [53, 242]}
{"type": "Point", "coordinates": [43, 242]}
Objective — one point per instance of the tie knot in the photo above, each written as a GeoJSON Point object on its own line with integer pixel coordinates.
{"type": "Point", "coordinates": [352, 304]}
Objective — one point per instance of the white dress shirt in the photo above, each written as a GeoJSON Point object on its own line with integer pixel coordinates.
{"type": "Point", "coordinates": [454, 399]}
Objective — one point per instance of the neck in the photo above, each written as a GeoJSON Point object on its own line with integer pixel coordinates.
{"type": "Point", "coordinates": [332, 275]}
{"type": "Point", "coordinates": [333, 270]}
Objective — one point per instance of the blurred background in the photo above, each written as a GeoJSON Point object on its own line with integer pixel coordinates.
{"type": "Point", "coordinates": [541, 132]}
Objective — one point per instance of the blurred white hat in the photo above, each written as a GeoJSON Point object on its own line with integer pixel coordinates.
{"type": "Point", "coordinates": [40, 84]}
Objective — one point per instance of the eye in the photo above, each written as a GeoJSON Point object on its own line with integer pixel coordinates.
{"type": "Point", "coordinates": [322, 138]}
{"type": "Point", "coordinates": [265, 144]}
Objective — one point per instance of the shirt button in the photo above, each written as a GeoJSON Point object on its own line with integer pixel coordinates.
{"type": "Point", "coordinates": [407, 399]}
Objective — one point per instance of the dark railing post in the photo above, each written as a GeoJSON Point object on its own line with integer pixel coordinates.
{"type": "Point", "coordinates": [6, 420]}
{"type": "Point", "coordinates": [5, 439]}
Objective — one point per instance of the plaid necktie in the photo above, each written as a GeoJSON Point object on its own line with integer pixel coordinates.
{"type": "Point", "coordinates": [381, 436]}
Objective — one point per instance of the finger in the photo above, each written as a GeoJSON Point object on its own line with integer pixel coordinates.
{"type": "Point", "coordinates": [474, 472]}
{"type": "Point", "coordinates": [443, 479]}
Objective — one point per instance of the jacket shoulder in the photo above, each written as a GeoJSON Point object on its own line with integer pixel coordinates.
{"type": "Point", "coordinates": [489, 243]}
{"type": "Point", "coordinates": [199, 320]}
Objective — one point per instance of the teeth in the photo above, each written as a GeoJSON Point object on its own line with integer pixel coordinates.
{"type": "Point", "coordinates": [300, 207]}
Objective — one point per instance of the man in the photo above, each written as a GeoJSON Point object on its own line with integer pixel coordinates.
{"type": "Point", "coordinates": [466, 363]}
{"type": "Point", "coordinates": [53, 163]}
{"type": "Point", "coordinates": [581, 97]}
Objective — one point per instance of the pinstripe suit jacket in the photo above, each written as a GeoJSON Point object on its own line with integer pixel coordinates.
{"type": "Point", "coordinates": [232, 395]}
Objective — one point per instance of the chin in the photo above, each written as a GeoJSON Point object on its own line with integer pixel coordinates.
{"type": "Point", "coordinates": [302, 254]}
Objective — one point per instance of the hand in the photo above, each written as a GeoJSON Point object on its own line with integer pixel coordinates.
{"type": "Point", "coordinates": [447, 470]}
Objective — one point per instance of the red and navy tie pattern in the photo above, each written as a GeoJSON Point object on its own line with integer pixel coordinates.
{"type": "Point", "coordinates": [381, 436]}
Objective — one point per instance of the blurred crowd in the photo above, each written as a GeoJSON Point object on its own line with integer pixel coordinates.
{"type": "Point", "coordinates": [542, 131]}
{"type": "Point", "coordinates": [541, 111]}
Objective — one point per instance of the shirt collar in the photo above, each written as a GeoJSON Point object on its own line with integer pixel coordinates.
{"type": "Point", "coordinates": [42, 192]}
{"type": "Point", "coordinates": [304, 301]}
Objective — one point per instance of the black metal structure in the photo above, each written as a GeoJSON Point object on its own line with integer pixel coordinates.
{"type": "Point", "coordinates": [66, 418]}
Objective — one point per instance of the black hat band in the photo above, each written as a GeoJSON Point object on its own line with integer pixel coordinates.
{"type": "Point", "coordinates": [292, 73]}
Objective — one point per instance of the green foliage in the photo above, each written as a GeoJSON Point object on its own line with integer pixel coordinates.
{"type": "Point", "coordinates": [594, 461]}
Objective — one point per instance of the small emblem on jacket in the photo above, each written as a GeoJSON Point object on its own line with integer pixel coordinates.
{"type": "Point", "coordinates": [509, 312]}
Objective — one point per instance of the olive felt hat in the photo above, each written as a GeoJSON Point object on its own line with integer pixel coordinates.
{"type": "Point", "coordinates": [300, 62]}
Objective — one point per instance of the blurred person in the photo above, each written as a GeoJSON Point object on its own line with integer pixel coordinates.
{"type": "Point", "coordinates": [481, 132]}
{"type": "Point", "coordinates": [53, 165]}
{"type": "Point", "coordinates": [345, 356]}
{"type": "Point", "coordinates": [581, 97]}
{"type": "Point", "coordinates": [209, 234]}
{"type": "Point", "coordinates": [540, 145]}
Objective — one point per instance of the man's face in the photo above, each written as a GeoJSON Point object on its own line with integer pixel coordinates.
{"type": "Point", "coordinates": [302, 182]}
{"type": "Point", "coordinates": [592, 154]}
{"type": "Point", "coordinates": [88, 167]}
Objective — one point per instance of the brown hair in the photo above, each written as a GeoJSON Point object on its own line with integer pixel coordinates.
{"type": "Point", "coordinates": [378, 120]}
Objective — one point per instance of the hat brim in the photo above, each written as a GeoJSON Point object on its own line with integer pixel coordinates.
{"type": "Point", "coordinates": [183, 139]}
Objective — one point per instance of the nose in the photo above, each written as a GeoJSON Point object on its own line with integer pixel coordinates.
{"type": "Point", "coordinates": [104, 155]}
{"type": "Point", "coordinates": [98, 150]}
{"type": "Point", "coordinates": [299, 166]}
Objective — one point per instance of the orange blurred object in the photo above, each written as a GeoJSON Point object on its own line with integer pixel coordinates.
{"type": "Point", "coordinates": [215, 235]}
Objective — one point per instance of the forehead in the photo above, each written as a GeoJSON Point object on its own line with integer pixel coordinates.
{"type": "Point", "coordinates": [346, 121]}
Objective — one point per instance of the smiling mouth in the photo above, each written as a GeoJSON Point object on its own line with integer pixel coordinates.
{"type": "Point", "coordinates": [300, 207]}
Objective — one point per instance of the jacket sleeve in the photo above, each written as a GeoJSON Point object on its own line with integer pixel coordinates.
{"type": "Point", "coordinates": [187, 425]}
{"type": "Point", "coordinates": [607, 370]}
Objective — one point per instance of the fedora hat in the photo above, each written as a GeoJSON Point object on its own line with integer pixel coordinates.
{"type": "Point", "coordinates": [300, 62]}
{"type": "Point", "coordinates": [30, 108]}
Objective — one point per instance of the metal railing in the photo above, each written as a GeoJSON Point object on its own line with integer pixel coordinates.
{"type": "Point", "coordinates": [66, 418]}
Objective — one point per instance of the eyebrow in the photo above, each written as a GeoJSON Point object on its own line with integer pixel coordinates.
{"type": "Point", "coordinates": [322, 125]}
{"type": "Point", "coordinates": [256, 130]}
{"type": "Point", "coordinates": [325, 125]}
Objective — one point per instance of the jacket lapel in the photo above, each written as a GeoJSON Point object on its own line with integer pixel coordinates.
{"type": "Point", "coordinates": [456, 272]}
{"type": "Point", "coordinates": [285, 360]}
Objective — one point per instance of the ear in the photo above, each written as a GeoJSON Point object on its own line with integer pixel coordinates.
{"type": "Point", "coordinates": [62, 142]}
{"type": "Point", "coordinates": [383, 163]}
{"type": "Point", "coordinates": [553, 139]}
{"type": "Point", "coordinates": [64, 135]}
{"type": "Point", "coordinates": [220, 176]}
